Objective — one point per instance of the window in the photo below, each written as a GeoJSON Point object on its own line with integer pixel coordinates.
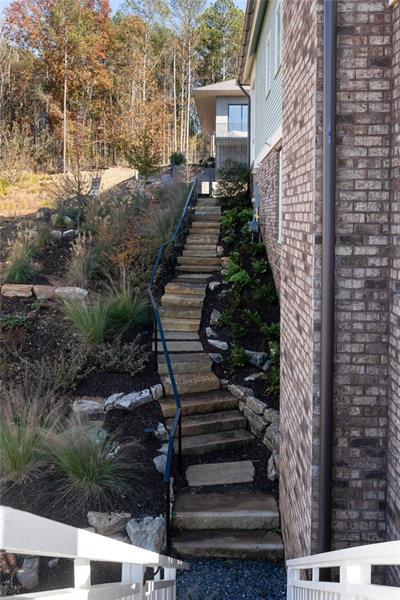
{"type": "Point", "coordinates": [278, 35]}
{"type": "Point", "coordinates": [268, 66]}
{"type": "Point", "coordinates": [280, 211]}
{"type": "Point", "coordinates": [237, 117]}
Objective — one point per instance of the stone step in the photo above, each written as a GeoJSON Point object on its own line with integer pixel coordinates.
{"type": "Point", "coordinates": [224, 473]}
{"type": "Point", "coordinates": [186, 363]}
{"type": "Point", "coordinates": [180, 312]}
{"type": "Point", "coordinates": [201, 404]}
{"type": "Point", "coordinates": [180, 324]}
{"type": "Point", "coordinates": [181, 345]}
{"type": "Point", "coordinates": [203, 231]}
{"type": "Point", "coordinates": [187, 300]}
{"type": "Point", "coordinates": [216, 442]}
{"type": "Point", "coordinates": [194, 277]}
{"type": "Point", "coordinates": [200, 252]}
{"type": "Point", "coordinates": [197, 269]}
{"type": "Point", "coordinates": [180, 336]}
{"type": "Point", "coordinates": [200, 216]}
{"type": "Point", "coordinates": [201, 240]}
{"type": "Point", "coordinates": [199, 260]}
{"type": "Point", "coordinates": [177, 286]}
{"type": "Point", "coordinates": [192, 383]}
{"type": "Point", "coordinates": [208, 210]}
{"type": "Point", "coordinates": [226, 511]}
{"type": "Point", "coordinates": [200, 244]}
{"type": "Point", "coordinates": [249, 545]}
{"type": "Point", "coordinates": [212, 422]}
{"type": "Point", "coordinates": [206, 224]}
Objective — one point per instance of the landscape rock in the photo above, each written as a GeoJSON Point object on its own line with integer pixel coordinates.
{"type": "Point", "coordinates": [272, 437]}
{"type": "Point", "coordinates": [266, 366]}
{"type": "Point", "coordinates": [56, 234]}
{"type": "Point", "coordinates": [256, 422]}
{"type": "Point", "coordinates": [129, 401]}
{"type": "Point", "coordinates": [66, 220]}
{"type": "Point", "coordinates": [272, 471]}
{"type": "Point", "coordinates": [220, 251]}
{"type": "Point", "coordinates": [160, 461]}
{"type": "Point", "coordinates": [16, 290]}
{"type": "Point", "coordinates": [88, 406]}
{"type": "Point", "coordinates": [213, 285]}
{"type": "Point", "coordinates": [157, 391]}
{"type": "Point", "coordinates": [43, 292]}
{"type": "Point", "coordinates": [271, 415]}
{"type": "Point", "coordinates": [71, 293]}
{"type": "Point", "coordinates": [69, 234]}
{"type": "Point", "coordinates": [255, 405]}
{"type": "Point", "coordinates": [161, 433]}
{"type": "Point", "coordinates": [218, 344]}
{"type": "Point", "coordinates": [216, 357]}
{"type": "Point", "coordinates": [215, 317]}
{"type": "Point", "coordinates": [256, 358]}
{"type": "Point", "coordinates": [224, 383]}
{"type": "Point", "coordinates": [210, 333]}
{"type": "Point", "coordinates": [239, 391]}
{"type": "Point", "coordinates": [43, 213]}
{"type": "Point", "coordinates": [53, 562]}
{"type": "Point", "coordinates": [254, 377]}
{"type": "Point", "coordinates": [108, 523]}
{"type": "Point", "coordinates": [28, 576]}
{"type": "Point", "coordinates": [148, 533]}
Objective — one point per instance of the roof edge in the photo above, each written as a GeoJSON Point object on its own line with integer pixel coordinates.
{"type": "Point", "coordinates": [254, 16]}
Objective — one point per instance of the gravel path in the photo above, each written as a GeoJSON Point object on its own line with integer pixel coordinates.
{"type": "Point", "coordinates": [217, 579]}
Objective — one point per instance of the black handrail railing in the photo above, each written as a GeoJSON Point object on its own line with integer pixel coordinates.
{"type": "Point", "coordinates": [158, 330]}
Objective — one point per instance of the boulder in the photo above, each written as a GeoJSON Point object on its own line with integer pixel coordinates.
{"type": "Point", "coordinates": [210, 333]}
{"type": "Point", "coordinates": [272, 437]}
{"type": "Point", "coordinates": [256, 358]}
{"type": "Point", "coordinates": [256, 422]}
{"type": "Point", "coordinates": [16, 290]}
{"type": "Point", "coordinates": [254, 377]}
{"type": "Point", "coordinates": [160, 461]}
{"type": "Point", "coordinates": [266, 366]}
{"type": "Point", "coordinates": [157, 391]}
{"type": "Point", "coordinates": [43, 213]}
{"type": "Point", "coordinates": [129, 401]}
{"type": "Point", "coordinates": [69, 234]}
{"type": "Point", "coordinates": [71, 293]}
{"type": "Point", "coordinates": [240, 392]}
{"type": "Point", "coordinates": [43, 292]}
{"type": "Point", "coordinates": [56, 234]}
{"type": "Point", "coordinates": [271, 415]}
{"type": "Point", "coordinates": [108, 523]}
{"type": "Point", "coordinates": [213, 285]}
{"type": "Point", "coordinates": [218, 344]}
{"type": "Point", "coordinates": [216, 357]}
{"type": "Point", "coordinates": [88, 406]}
{"type": "Point", "coordinates": [161, 433]}
{"type": "Point", "coordinates": [220, 251]}
{"type": "Point", "coordinates": [67, 221]}
{"type": "Point", "coordinates": [255, 405]}
{"type": "Point", "coordinates": [215, 317]}
{"type": "Point", "coordinates": [28, 576]}
{"type": "Point", "coordinates": [148, 533]}
{"type": "Point", "coordinates": [272, 471]}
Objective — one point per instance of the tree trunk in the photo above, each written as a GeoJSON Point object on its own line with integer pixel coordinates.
{"type": "Point", "coordinates": [174, 94]}
{"type": "Point", "coordinates": [189, 83]}
{"type": "Point", "coordinates": [65, 110]}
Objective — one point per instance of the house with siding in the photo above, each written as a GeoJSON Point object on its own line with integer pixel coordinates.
{"type": "Point", "coordinates": [324, 80]}
{"type": "Point", "coordinates": [223, 112]}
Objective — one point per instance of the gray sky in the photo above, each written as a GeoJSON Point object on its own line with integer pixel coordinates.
{"type": "Point", "coordinates": [115, 3]}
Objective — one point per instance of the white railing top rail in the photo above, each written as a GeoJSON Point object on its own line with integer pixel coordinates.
{"type": "Point", "coordinates": [27, 534]}
{"type": "Point", "coordinates": [385, 553]}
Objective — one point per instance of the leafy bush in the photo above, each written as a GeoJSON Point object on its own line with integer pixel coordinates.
{"type": "Point", "coordinates": [238, 358]}
{"type": "Point", "coordinates": [90, 320]}
{"type": "Point", "coordinates": [117, 357]}
{"type": "Point", "coordinates": [43, 238]}
{"type": "Point", "coordinates": [177, 158]}
{"type": "Point", "coordinates": [83, 263]}
{"type": "Point", "coordinates": [237, 331]}
{"type": "Point", "coordinates": [11, 321]}
{"type": "Point", "coordinates": [232, 182]}
{"type": "Point", "coordinates": [253, 317]}
{"type": "Point", "coordinates": [226, 318]}
{"type": "Point", "coordinates": [272, 331]}
{"type": "Point", "coordinates": [23, 424]}
{"type": "Point", "coordinates": [259, 266]}
{"type": "Point", "coordinates": [273, 381]}
{"type": "Point", "coordinates": [94, 468]}
{"type": "Point", "coordinates": [21, 268]}
{"type": "Point", "coordinates": [266, 293]}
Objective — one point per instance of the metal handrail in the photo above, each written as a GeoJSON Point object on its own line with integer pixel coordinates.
{"type": "Point", "coordinates": [177, 423]}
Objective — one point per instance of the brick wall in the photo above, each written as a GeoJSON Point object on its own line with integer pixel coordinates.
{"type": "Point", "coordinates": [393, 506]}
{"type": "Point", "coordinates": [267, 179]}
{"type": "Point", "coordinates": [297, 273]}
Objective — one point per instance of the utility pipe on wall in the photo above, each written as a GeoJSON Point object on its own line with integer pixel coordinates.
{"type": "Point", "coordinates": [328, 277]}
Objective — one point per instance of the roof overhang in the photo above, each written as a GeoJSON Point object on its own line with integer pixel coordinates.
{"type": "Point", "coordinates": [206, 100]}
{"type": "Point", "coordinates": [254, 18]}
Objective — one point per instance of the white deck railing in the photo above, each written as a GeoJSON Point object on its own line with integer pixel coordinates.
{"type": "Point", "coordinates": [355, 565]}
{"type": "Point", "coordinates": [27, 534]}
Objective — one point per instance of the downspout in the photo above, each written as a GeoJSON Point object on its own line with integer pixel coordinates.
{"type": "Point", "coordinates": [328, 277]}
{"type": "Point", "coordinates": [246, 93]}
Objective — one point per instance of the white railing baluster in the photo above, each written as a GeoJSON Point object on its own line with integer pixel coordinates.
{"type": "Point", "coordinates": [82, 574]}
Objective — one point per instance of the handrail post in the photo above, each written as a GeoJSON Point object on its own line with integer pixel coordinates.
{"type": "Point", "coordinates": [180, 466]}
{"type": "Point", "coordinates": [155, 345]}
{"type": "Point", "coordinates": [168, 517]}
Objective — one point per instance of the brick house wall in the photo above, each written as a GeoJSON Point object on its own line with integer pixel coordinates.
{"type": "Point", "coordinates": [267, 179]}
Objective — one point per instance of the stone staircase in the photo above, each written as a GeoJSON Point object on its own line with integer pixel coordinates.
{"type": "Point", "coordinates": [217, 524]}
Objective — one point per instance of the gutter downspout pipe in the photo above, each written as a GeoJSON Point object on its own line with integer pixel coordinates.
{"type": "Point", "coordinates": [246, 93]}
{"type": "Point", "coordinates": [328, 277]}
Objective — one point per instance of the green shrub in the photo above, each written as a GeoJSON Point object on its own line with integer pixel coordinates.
{"type": "Point", "coordinates": [60, 222]}
{"type": "Point", "coordinates": [232, 184]}
{"type": "Point", "coordinates": [23, 423]}
{"type": "Point", "coordinates": [259, 266]}
{"type": "Point", "coordinates": [226, 318]}
{"type": "Point", "coordinates": [21, 268]}
{"type": "Point", "coordinates": [128, 308]}
{"type": "Point", "coordinates": [238, 358]}
{"type": "Point", "coordinates": [253, 317]}
{"type": "Point", "coordinates": [94, 467]}
{"type": "Point", "coordinates": [272, 331]}
{"type": "Point", "coordinates": [177, 158]}
{"type": "Point", "coordinates": [11, 321]}
{"type": "Point", "coordinates": [91, 321]}
{"type": "Point", "coordinates": [266, 293]}
{"type": "Point", "coordinates": [241, 279]}
{"type": "Point", "coordinates": [43, 238]}
{"type": "Point", "coordinates": [117, 357]}
{"type": "Point", "coordinates": [237, 331]}
{"type": "Point", "coordinates": [273, 385]}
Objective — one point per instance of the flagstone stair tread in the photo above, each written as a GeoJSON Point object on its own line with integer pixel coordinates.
{"type": "Point", "coordinates": [212, 422]}
{"type": "Point", "coordinates": [224, 473]}
{"type": "Point", "coordinates": [200, 403]}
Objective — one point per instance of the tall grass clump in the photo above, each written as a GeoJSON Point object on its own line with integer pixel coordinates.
{"type": "Point", "coordinates": [83, 263]}
{"type": "Point", "coordinates": [89, 320]}
{"type": "Point", "coordinates": [21, 268]}
{"type": "Point", "coordinates": [24, 424]}
{"type": "Point", "coordinates": [94, 470]}
{"type": "Point", "coordinates": [128, 309]}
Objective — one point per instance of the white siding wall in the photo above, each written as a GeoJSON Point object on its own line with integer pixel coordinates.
{"type": "Point", "coordinates": [267, 108]}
